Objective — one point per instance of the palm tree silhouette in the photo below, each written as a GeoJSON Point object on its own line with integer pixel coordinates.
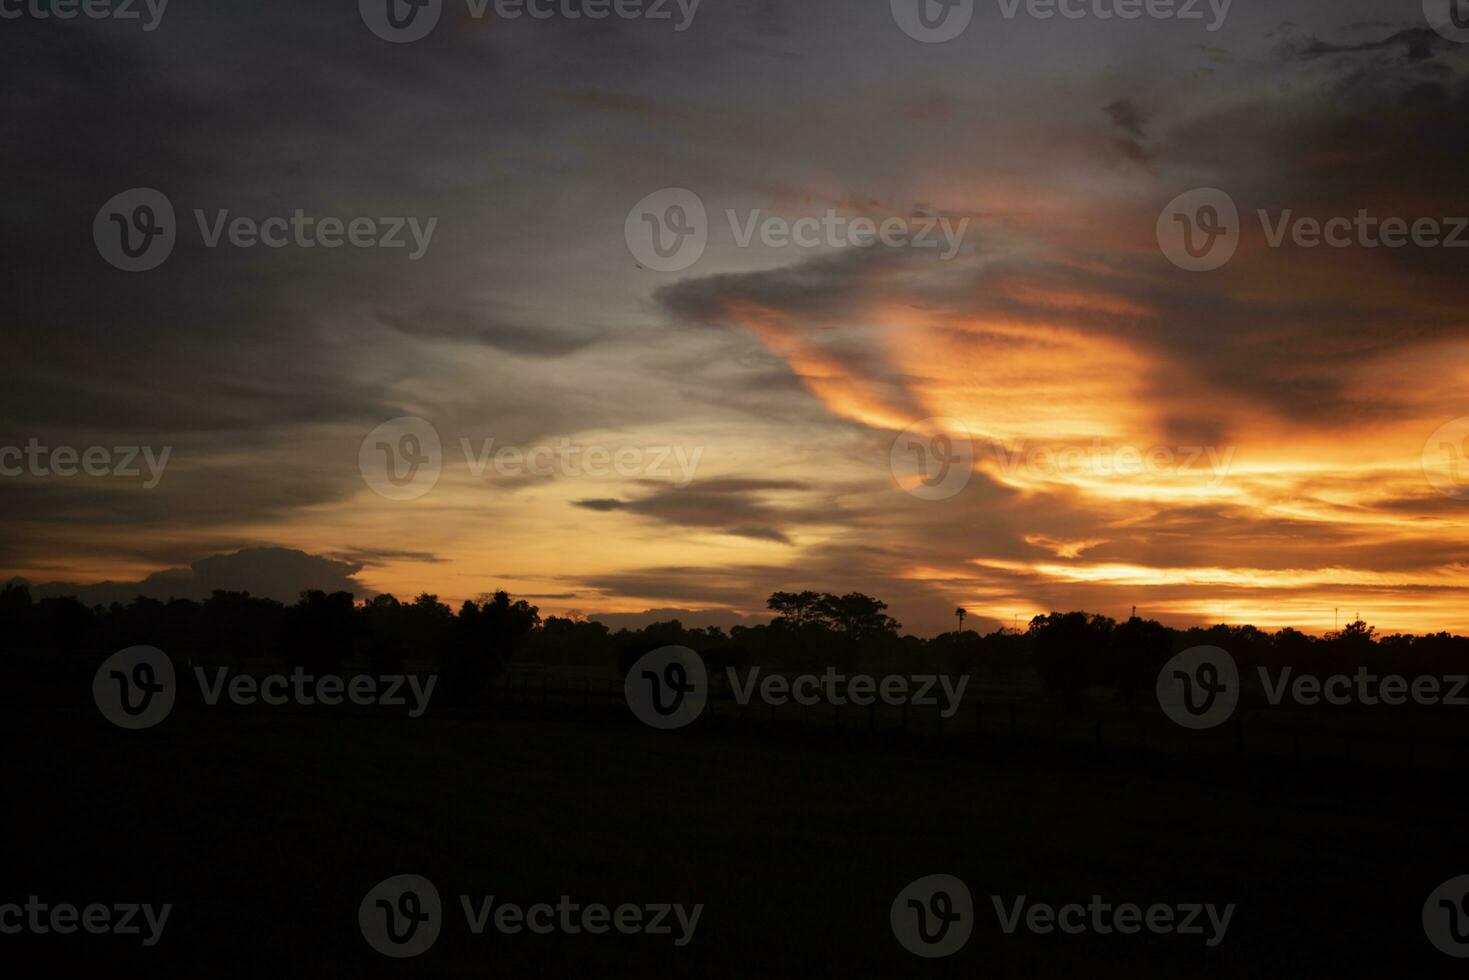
{"type": "Point", "coordinates": [961, 612]}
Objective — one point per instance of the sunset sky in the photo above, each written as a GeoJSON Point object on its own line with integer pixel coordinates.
{"type": "Point", "coordinates": [1291, 411]}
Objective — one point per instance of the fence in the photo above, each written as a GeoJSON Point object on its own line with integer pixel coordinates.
{"type": "Point", "coordinates": [1282, 734]}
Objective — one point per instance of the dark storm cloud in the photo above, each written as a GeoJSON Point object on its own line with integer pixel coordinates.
{"type": "Point", "coordinates": [828, 286]}
{"type": "Point", "coordinates": [367, 557]}
{"type": "Point", "coordinates": [601, 505]}
{"type": "Point", "coordinates": [1416, 44]}
{"type": "Point", "coordinates": [730, 506]}
{"type": "Point", "coordinates": [730, 586]}
{"type": "Point", "coordinates": [437, 322]}
{"type": "Point", "coordinates": [272, 573]}
{"type": "Point", "coordinates": [691, 618]}
{"type": "Point", "coordinates": [1126, 116]}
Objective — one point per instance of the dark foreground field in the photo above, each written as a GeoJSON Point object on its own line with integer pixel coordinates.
{"type": "Point", "coordinates": [265, 828]}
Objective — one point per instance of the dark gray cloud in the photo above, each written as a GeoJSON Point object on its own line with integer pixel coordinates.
{"type": "Point", "coordinates": [271, 573]}
{"type": "Point", "coordinates": [437, 322]}
{"type": "Point", "coordinates": [1416, 44]}
{"type": "Point", "coordinates": [730, 506]}
{"type": "Point", "coordinates": [690, 618]}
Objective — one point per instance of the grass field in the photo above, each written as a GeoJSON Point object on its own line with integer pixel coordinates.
{"type": "Point", "coordinates": [266, 827]}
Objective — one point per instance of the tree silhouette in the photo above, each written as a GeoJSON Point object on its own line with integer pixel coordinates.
{"type": "Point", "coordinates": [1067, 648]}
{"type": "Point", "coordinates": [860, 617]}
{"type": "Point", "coordinates": [317, 632]}
{"type": "Point", "coordinates": [797, 609]}
{"type": "Point", "coordinates": [1140, 648]}
{"type": "Point", "coordinates": [323, 633]}
{"type": "Point", "coordinates": [485, 635]}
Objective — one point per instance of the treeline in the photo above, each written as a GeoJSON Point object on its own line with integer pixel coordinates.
{"type": "Point", "coordinates": [1076, 650]}
{"type": "Point", "coordinates": [322, 632]}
